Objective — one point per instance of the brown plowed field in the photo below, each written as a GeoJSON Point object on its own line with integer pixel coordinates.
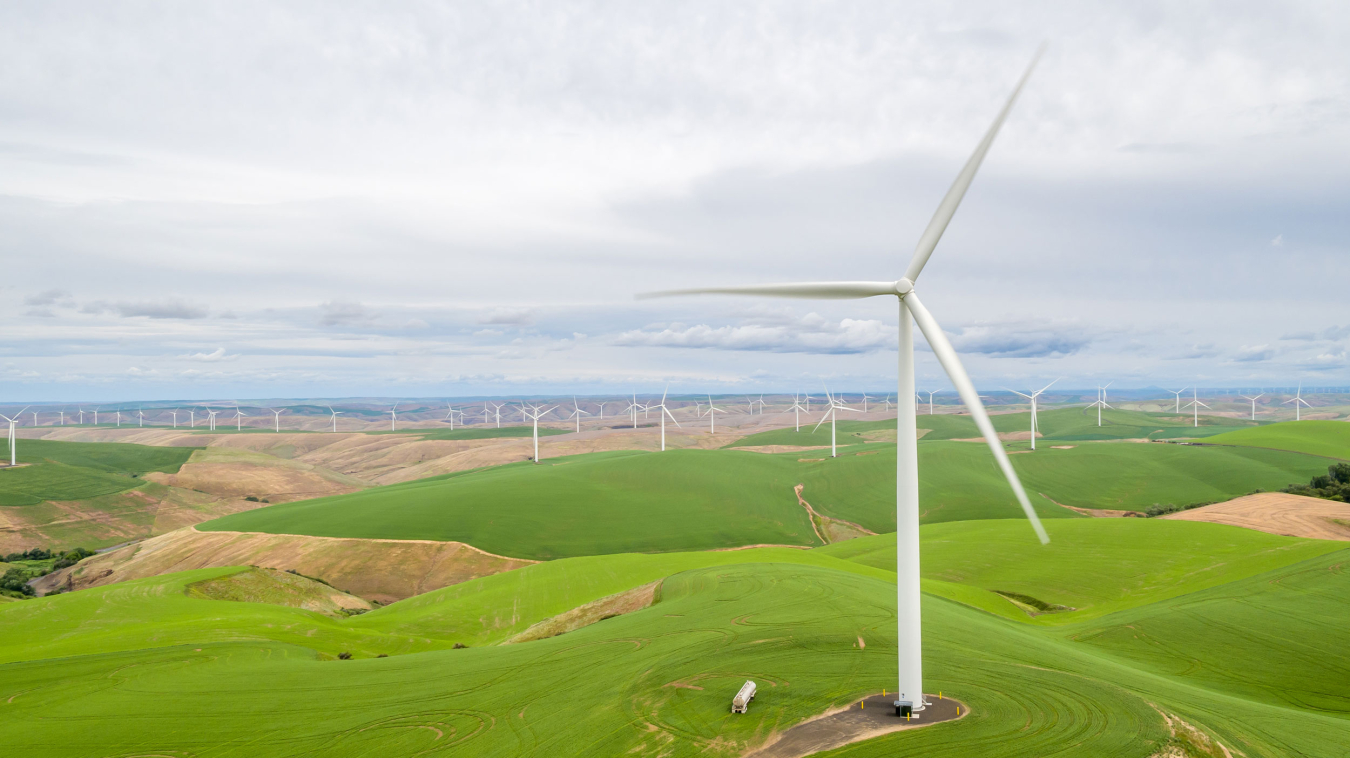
{"type": "Point", "coordinates": [378, 570]}
{"type": "Point", "coordinates": [1278, 513]}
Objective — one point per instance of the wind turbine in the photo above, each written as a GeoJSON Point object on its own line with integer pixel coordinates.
{"type": "Point", "coordinates": [63, 416]}
{"type": "Point", "coordinates": [1032, 399]}
{"type": "Point", "coordinates": [238, 418]}
{"type": "Point", "coordinates": [761, 404]}
{"type": "Point", "coordinates": [865, 397]}
{"type": "Point", "coordinates": [602, 411]}
{"type": "Point", "coordinates": [140, 418]}
{"type": "Point", "coordinates": [535, 417]}
{"type": "Point", "coordinates": [1178, 394]}
{"type": "Point", "coordinates": [393, 418]}
{"type": "Point", "coordinates": [887, 401]}
{"type": "Point", "coordinates": [81, 417]}
{"type": "Point", "coordinates": [909, 638]}
{"type": "Point", "coordinates": [450, 414]}
{"type": "Point", "coordinates": [664, 412]}
{"type": "Point", "coordinates": [119, 418]}
{"type": "Point", "coordinates": [1101, 402]}
{"type": "Point", "coordinates": [796, 411]}
{"type": "Point", "coordinates": [335, 415]}
{"type": "Point", "coordinates": [634, 408]}
{"type": "Point", "coordinates": [95, 415]}
{"type": "Point", "coordinates": [13, 438]}
{"type": "Point", "coordinates": [577, 413]}
{"type": "Point", "coordinates": [835, 405]}
{"type": "Point", "coordinates": [712, 416]}
{"type": "Point", "coordinates": [930, 399]}
{"type": "Point", "coordinates": [276, 418]}
{"type": "Point", "coordinates": [1298, 402]}
{"type": "Point", "coordinates": [35, 413]}
{"type": "Point", "coordinates": [497, 411]}
{"type": "Point", "coordinates": [174, 413]}
{"type": "Point", "coordinates": [1254, 399]}
{"type": "Point", "coordinates": [1196, 404]}
{"type": "Point", "coordinates": [211, 417]}
{"type": "Point", "coordinates": [807, 398]}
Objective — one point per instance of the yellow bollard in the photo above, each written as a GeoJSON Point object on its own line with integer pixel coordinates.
{"type": "Point", "coordinates": [906, 717]}
{"type": "Point", "coordinates": [939, 694]}
{"type": "Point", "coordinates": [863, 706]}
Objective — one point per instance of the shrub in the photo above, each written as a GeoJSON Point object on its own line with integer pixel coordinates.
{"type": "Point", "coordinates": [1333, 485]}
{"type": "Point", "coordinates": [344, 656]}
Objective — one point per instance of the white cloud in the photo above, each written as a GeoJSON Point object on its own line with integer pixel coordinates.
{"type": "Point", "coordinates": [212, 357]}
{"type": "Point", "coordinates": [507, 317]}
{"type": "Point", "coordinates": [810, 334]}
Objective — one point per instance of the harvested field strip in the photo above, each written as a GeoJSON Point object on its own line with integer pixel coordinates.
{"type": "Point", "coordinates": [1277, 513]}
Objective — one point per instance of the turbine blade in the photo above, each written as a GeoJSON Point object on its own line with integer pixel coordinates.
{"type": "Point", "coordinates": [947, 208]}
{"type": "Point", "coordinates": [822, 420]}
{"type": "Point", "coordinates": [946, 355]}
{"type": "Point", "coordinates": [812, 290]}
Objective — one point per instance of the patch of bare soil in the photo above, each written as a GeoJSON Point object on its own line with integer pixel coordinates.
{"type": "Point", "coordinates": [378, 570]}
{"type": "Point", "coordinates": [120, 517]}
{"type": "Point", "coordinates": [828, 529]}
{"type": "Point", "coordinates": [1277, 513]}
{"type": "Point", "coordinates": [1005, 436]}
{"type": "Point", "coordinates": [584, 615]}
{"type": "Point", "coordinates": [1062, 447]}
{"type": "Point", "coordinates": [276, 483]}
{"type": "Point", "coordinates": [871, 717]}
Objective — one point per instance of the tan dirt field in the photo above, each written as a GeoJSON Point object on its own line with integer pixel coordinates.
{"type": "Point", "coordinates": [584, 615]}
{"type": "Point", "coordinates": [379, 570]}
{"type": "Point", "coordinates": [854, 723]}
{"type": "Point", "coordinates": [1277, 513]}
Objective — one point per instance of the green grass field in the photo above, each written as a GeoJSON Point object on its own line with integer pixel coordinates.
{"type": "Point", "coordinates": [1330, 439]}
{"type": "Point", "coordinates": [701, 499]}
{"type": "Point", "coordinates": [144, 669]}
{"type": "Point", "coordinates": [82, 470]}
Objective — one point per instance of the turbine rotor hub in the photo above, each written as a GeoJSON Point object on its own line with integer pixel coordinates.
{"type": "Point", "coordinates": [903, 286]}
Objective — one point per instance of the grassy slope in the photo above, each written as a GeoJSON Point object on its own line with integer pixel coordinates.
{"type": "Point", "coordinates": [701, 499]}
{"type": "Point", "coordinates": [1325, 438]}
{"type": "Point", "coordinates": [595, 691]}
{"type": "Point", "coordinates": [82, 470]}
{"type": "Point", "coordinates": [1098, 566]}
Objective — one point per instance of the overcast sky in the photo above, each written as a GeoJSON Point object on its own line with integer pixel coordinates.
{"type": "Point", "coordinates": [241, 199]}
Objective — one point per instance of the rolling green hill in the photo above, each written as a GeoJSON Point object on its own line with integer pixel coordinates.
{"type": "Point", "coordinates": [82, 470]}
{"type": "Point", "coordinates": [1314, 437]}
{"type": "Point", "coordinates": [700, 499]}
{"type": "Point", "coordinates": [142, 668]}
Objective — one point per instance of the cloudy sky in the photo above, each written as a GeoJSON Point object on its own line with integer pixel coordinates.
{"type": "Point", "coordinates": [434, 199]}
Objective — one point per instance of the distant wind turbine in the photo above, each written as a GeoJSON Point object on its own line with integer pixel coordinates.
{"type": "Point", "coordinates": [634, 407]}
{"type": "Point", "coordinates": [797, 412]}
{"type": "Point", "coordinates": [140, 417]}
{"type": "Point", "coordinates": [13, 438]}
{"type": "Point", "coordinates": [1298, 402]}
{"type": "Point", "coordinates": [1253, 399]}
{"type": "Point", "coordinates": [908, 612]}
{"type": "Point", "coordinates": [450, 414]}
{"type": "Point", "coordinates": [276, 418]}
{"type": "Point", "coordinates": [211, 417]}
{"type": "Point", "coordinates": [35, 413]}
{"type": "Point", "coordinates": [1032, 399]}
{"type": "Point", "coordinates": [393, 418]}
{"type": "Point", "coordinates": [96, 415]}
{"type": "Point", "coordinates": [807, 398]}
{"type": "Point", "coordinates": [1101, 402]}
{"type": "Point", "coordinates": [712, 416]}
{"type": "Point", "coordinates": [81, 417]}
{"type": "Point", "coordinates": [63, 416]}
{"type": "Point", "coordinates": [1178, 394]}
{"type": "Point", "coordinates": [119, 418]}
{"type": "Point", "coordinates": [535, 417]}
{"type": "Point", "coordinates": [1196, 405]}
{"type": "Point", "coordinates": [577, 413]}
{"type": "Point", "coordinates": [864, 399]}
{"type": "Point", "coordinates": [602, 410]}
{"type": "Point", "coordinates": [835, 405]}
{"type": "Point", "coordinates": [174, 413]}
{"type": "Point", "coordinates": [335, 415]}
{"type": "Point", "coordinates": [238, 418]}
{"type": "Point", "coordinates": [497, 412]}
{"type": "Point", "coordinates": [931, 393]}
{"type": "Point", "coordinates": [664, 412]}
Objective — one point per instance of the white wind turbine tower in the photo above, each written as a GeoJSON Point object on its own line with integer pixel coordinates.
{"type": "Point", "coordinates": [912, 310]}
{"type": "Point", "coordinates": [1178, 394]}
{"type": "Point", "coordinates": [1196, 405]}
{"type": "Point", "coordinates": [1101, 402]}
{"type": "Point", "coordinates": [276, 418]}
{"type": "Point", "coordinates": [796, 411]}
{"type": "Point", "coordinates": [887, 401]}
{"type": "Point", "coordinates": [192, 418]}
{"type": "Point", "coordinates": [393, 418]}
{"type": "Point", "coordinates": [96, 415]}
{"type": "Point", "coordinates": [13, 438]}
{"type": "Point", "coordinates": [35, 413]}
{"type": "Point", "coordinates": [63, 416]}
{"type": "Point", "coordinates": [1298, 402]}
{"type": "Point", "coordinates": [712, 416]}
{"type": "Point", "coordinates": [835, 405]}
{"type": "Point", "coordinates": [450, 414]}
{"type": "Point", "coordinates": [238, 418]}
{"type": "Point", "coordinates": [335, 415]}
{"type": "Point", "coordinates": [634, 407]}
{"type": "Point", "coordinates": [664, 412]}
{"type": "Point", "coordinates": [119, 418]}
{"type": "Point", "coordinates": [140, 417]}
{"type": "Point", "coordinates": [761, 404]}
{"type": "Point", "coordinates": [930, 399]}
{"type": "Point", "coordinates": [497, 412]}
{"type": "Point", "coordinates": [577, 413]}
{"type": "Point", "coordinates": [535, 417]}
{"type": "Point", "coordinates": [1032, 399]}
{"type": "Point", "coordinates": [1253, 399]}
{"type": "Point", "coordinates": [174, 413]}
{"type": "Point", "coordinates": [602, 410]}
{"type": "Point", "coordinates": [807, 398]}
{"type": "Point", "coordinates": [81, 417]}
{"type": "Point", "coordinates": [864, 399]}
{"type": "Point", "coordinates": [211, 417]}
